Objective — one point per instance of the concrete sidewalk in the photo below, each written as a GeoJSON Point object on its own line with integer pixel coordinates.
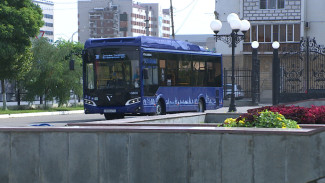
{"type": "Point", "coordinates": [240, 109]}
{"type": "Point", "coordinates": [223, 110]}
{"type": "Point", "coordinates": [3, 116]}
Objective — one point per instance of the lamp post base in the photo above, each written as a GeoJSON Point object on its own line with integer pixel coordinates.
{"type": "Point", "coordinates": [232, 108]}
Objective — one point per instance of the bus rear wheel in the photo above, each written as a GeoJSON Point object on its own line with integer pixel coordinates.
{"type": "Point", "coordinates": [160, 108]}
{"type": "Point", "coordinates": [201, 107]}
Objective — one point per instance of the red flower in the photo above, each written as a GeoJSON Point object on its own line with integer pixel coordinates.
{"type": "Point", "coordinates": [303, 115]}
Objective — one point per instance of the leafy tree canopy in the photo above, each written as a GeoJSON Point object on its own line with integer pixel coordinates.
{"type": "Point", "coordinates": [20, 20]}
{"type": "Point", "coordinates": [50, 75]}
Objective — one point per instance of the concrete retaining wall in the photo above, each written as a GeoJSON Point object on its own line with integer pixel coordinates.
{"type": "Point", "coordinates": [161, 154]}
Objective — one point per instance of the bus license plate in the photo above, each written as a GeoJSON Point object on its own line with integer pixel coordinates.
{"type": "Point", "coordinates": [109, 110]}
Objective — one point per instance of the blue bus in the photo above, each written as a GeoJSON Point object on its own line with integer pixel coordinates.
{"type": "Point", "coordinates": [149, 75]}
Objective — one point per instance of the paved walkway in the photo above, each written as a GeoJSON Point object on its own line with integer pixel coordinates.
{"type": "Point", "coordinates": [240, 109]}
{"type": "Point", "coordinates": [2, 116]}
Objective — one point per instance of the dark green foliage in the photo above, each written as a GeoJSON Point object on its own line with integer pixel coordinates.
{"type": "Point", "coordinates": [20, 20]}
{"type": "Point", "coordinates": [50, 75]}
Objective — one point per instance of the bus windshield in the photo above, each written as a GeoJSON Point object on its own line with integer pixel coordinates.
{"type": "Point", "coordinates": [113, 74]}
{"type": "Point", "coordinates": [112, 68]}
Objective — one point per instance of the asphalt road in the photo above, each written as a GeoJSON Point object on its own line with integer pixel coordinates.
{"type": "Point", "coordinates": [54, 120]}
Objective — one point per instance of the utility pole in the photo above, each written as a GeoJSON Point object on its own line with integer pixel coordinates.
{"type": "Point", "coordinates": [147, 21]}
{"type": "Point", "coordinates": [172, 18]}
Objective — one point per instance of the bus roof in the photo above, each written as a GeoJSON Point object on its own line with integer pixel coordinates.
{"type": "Point", "coordinates": [145, 42]}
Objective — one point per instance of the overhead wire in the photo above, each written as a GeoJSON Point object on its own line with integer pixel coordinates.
{"type": "Point", "coordinates": [187, 16]}
{"type": "Point", "coordinates": [185, 7]}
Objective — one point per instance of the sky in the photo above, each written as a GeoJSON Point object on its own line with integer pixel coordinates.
{"type": "Point", "coordinates": [190, 16]}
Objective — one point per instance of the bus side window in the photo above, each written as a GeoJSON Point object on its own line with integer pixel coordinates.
{"type": "Point", "coordinates": [150, 79]}
{"type": "Point", "coordinates": [162, 72]}
{"type": "Point", "coordinates": [171, 80]}
{"type": "Point", "coordinates": [145, 73]}
{"type": "Point", "coordinates": [184, 73]}
{"type": "Point", "coordinates": [172, 68]}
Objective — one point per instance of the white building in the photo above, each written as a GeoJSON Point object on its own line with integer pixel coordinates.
{"type": "Point", "coordinates": [48, 12]}
{"type": "Point", "coordinates": [285, 21]}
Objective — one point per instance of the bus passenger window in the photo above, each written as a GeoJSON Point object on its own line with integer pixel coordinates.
{"type": "Point", "coordinates": [198, 74]}
{"type": "Point", "coordinates": [135, 78]}
{"type": "Point", "coordinates": [162, 70]}
{"type": "Point", "coordinates": [135, 74]}
{"type": "Point", "coordinates": [184, 73]}
{"type": "Point", "coordinates": [150, 79]}
{"type": "Point", "coordinates": [171, 72]}
{"type": "Point", "coordinates": [146, 73]}
{"type": "Point", "coordinates": [90, 76]}
{"type": "Point", "coordinates": [211, 74]}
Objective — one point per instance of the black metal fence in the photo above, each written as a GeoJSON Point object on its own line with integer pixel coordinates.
{"type": "Point", "coordinates": [243, 83]}
{"type": "Point", "coordinates": [302, 72]}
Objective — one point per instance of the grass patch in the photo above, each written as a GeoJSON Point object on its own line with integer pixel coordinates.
{"type": "Point", "coordinates": [10, 111]}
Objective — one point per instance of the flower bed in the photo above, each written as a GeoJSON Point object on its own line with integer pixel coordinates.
{"type": "Point", "coordinates": [279, 116]}
{"type": "Point", "coordinates": [261, 119]}
{"type": "Point", "coordinates": [303, 115]}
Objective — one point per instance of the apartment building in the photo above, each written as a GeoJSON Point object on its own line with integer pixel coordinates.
{"type": "Point", "coordinates": [48, 11]}
{"type": "Point", "coordinates": [121, 18]}
{"type": "Point", "coordinates": [285, 21]}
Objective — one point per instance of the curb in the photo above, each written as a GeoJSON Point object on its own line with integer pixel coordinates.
{"type": "Point", "coordinates": [3, 116]}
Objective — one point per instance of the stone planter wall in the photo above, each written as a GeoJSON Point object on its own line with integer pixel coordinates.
{"type": "Point", "coordinates": [148, 153]}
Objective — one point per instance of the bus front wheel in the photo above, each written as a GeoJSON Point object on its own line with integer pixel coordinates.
{"type": "Point", "coordinates": [160, 108]}
{"type": "Point", "coordinates": [109, 116]}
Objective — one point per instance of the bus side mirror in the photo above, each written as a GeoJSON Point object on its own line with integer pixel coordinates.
{"type": "Point", "coordinates": [71, 65]}
{"type": "Point", "coordinates": [145, 74]}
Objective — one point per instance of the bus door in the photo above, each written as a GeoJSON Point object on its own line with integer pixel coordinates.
{"type": "Point", "coordinates": [150, 77]}
{"type": "Point", "coordinates": [150, 81]}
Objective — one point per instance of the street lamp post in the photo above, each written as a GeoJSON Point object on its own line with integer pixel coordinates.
{"type": "Point", "coordinates": [276, 73]}
{"type": "Point", "coordinates": [232, 40]}
{"type": "Point", "coordinates": [255, 73]}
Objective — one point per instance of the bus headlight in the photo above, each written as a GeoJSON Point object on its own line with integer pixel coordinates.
{"type": "Point", "coordinates": [89, 102]}
{"type": "Point", "coordinates": [133, 101]}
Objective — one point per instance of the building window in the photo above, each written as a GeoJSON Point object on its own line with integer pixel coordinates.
{"type": "Point", "coordinates": [124, 17]}
{"type": "Point", "coordinates": [296, 33]}
{"type": "Point", "coordinates": [254, 33]}
{"type": "Point", "coordinates": [272, 4]}
{"type": "Point", "coordinates": [261, 33]}
{"type": "Point", "coordinates": [283, 32]}
{"type": "Point", "coordinates": [290, 32]}
{"type": "Point", "coordinates": [49, 33]}
{"type": "Point", "coordinates": [48, 24]}
{"type": "Point", "coordinates": [277, 32]}
{"type": "Point", "coordinates": [48, 16]}
{"type": "Point", "coordinates": [268, 36]}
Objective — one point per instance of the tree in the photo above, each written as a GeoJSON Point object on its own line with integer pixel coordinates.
{"type": "Point", "coordinates": [71, 79]}
{"type": "Point", "coordinates": [50, 75]}
{"type": "Point", "coordinates": [42, 78]}
{"type": "Point", "coordinates": [20, 20]}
